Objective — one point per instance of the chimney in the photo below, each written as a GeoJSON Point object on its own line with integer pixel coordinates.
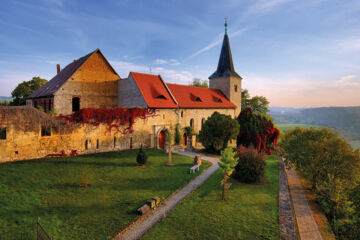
{"type": "Point", "coordinates": [58, 68]}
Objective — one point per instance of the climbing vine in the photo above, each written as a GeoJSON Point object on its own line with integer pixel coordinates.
{"type": "Point", "coordinates": [258, 131]}
{"type": "Point", "coordinates": [115, 118]}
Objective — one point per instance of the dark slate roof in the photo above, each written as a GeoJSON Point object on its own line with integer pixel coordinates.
{"type": "Point", "coordinates": [56, 82]}
{"type": "Point", "coordinates": [225, 66]}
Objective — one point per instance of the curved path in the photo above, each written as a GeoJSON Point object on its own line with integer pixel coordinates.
{"type": "Point", "coordinates": [144, 224]}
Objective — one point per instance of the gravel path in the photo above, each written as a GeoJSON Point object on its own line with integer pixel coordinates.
{"type": "Point", "coordinates": [144, 224]}
{"type": "Point", "coordinates": [286, 217]}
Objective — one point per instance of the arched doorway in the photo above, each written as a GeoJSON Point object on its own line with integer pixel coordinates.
{"type": "Point", "coordinates": [162, 139]}
{"type": "Point", "coordinates": [185, 139]}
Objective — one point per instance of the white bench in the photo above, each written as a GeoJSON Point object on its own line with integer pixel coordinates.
{"type": "Point", "coordinates": [194, 168]}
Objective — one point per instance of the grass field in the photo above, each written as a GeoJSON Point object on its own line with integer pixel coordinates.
{"type": "Point", "coordinates": [251, 211]}
{"type": "Point", "coordinates": [49, 188]}
{"type": "Point", "coordinates": [288, 126]}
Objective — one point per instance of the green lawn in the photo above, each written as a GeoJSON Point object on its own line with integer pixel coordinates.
{"type": "Point", "coordinates": [49, 188]}
{"type": "Point", "coordinates": [288, 126]}
{"type": "Point", "coordinates": [251, 211]}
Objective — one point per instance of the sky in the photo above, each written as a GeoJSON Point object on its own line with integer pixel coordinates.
{"type": "Point", "coordinates": [296, 53]}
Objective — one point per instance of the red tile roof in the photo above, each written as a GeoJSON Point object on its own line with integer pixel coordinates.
{"type": "Point", "coordinates": [199, 97]}
{"type": "Point", "coordinates": [154, 90]}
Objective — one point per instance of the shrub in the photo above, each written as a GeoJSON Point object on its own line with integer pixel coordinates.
{"type": "Point", "coordinates": [217, 131]}
{"type": "Point", "coordinates": [177, 137]}
{"type": "Point", "coordinates": [257, 130]}
{"type": "Point", "coordinates": [141, 157]}
{"type": "Point", "coordinates": [250, 167]}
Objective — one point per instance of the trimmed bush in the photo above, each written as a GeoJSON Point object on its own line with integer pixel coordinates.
{"type": "Point", "coordinates": [217, 131]}
{"type": "Point", "coordinates": [141, 157]}
{"type": "Point", "coordinates": [251, 165]}
{"type": "Point", "coordinates": [177, 137]}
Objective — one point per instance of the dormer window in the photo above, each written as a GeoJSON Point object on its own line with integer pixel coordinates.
{"type": "Point", "coordinates": [219, 100]}
{"type": "Point", "coordinates": [161, 97]}
{"type": "Point", "coordinates": [197, 99]}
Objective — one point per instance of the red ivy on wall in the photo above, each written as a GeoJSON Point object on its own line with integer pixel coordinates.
{"type": "Point", "coordinates": [258, 131]}
{"type": "Point", "coordinates": [113, 117]}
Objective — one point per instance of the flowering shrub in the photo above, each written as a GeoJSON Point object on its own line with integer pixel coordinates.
{"type": "Point", "coordinates": [113, 117]}
{"type": "Point", "coordinates": [258, 131]}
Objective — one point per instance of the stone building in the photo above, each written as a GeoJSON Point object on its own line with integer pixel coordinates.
{"type": "Point", "coordinates": [91, 82]}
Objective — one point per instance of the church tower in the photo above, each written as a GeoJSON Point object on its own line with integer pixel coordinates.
{"type": "Point", "coordinates": [225, 78]}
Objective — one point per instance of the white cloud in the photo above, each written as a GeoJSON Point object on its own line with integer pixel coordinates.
{"type": "Point", "coordinates": [160, 61]}
{"type": "Point", "coordinates": [218, 40]}
{"type": "Point", "coordinates": [262, 6]}
{"type": "Point", "coordinates": [302, 92]}
{"type": "Point", "coordinates": [348, 45]}
{"type": "Point", "coordinates": [169, 75]}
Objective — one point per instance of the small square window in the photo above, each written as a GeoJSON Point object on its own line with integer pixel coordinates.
{"type": "Point", "coordinates": [45, 131]}
{"type": "Point", "coordinates": [3, 133]}
{"type": "Point", "coordinates": [236, 88]}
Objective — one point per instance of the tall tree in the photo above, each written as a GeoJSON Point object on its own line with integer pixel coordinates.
{"type": "Point", "coordinates": [217, 131]}
{"type": "Point", "coordinates": [197, 82]}
{"type": "Point", "coordinates": [258, 104]}
{"type": "Point", "coordinates": [24, 89]}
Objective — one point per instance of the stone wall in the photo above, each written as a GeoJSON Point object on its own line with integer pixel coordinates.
{"type": "Point", "coordinates": [95, 83]}
{"type": "Point", "coordinates": [20, 145]}
{"type": "Point", "coordinates": [231, 87]}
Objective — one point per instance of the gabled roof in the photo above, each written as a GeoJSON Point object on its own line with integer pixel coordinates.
{"type": "Point", "coordinates": [225, 66]}
{"type": "Point", "coordinates": [199, 97]}
{"type": "Point", "coordinates": [56, 82]}
{"type": "Point", "coordinates": [155, 92]}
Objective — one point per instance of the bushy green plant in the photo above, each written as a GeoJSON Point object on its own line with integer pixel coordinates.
{"type": "Point", "coordinates": [217, 131]}
{"type": "Point", "coordinates": [141, 157]}
{"type": "Point", "coordinates": [250, 167]}
{"type": "Point", "coordinates": [177, 137]}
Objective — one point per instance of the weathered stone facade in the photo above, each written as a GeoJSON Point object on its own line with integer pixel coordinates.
{"type": "Point", "coordinates": [21, 145]}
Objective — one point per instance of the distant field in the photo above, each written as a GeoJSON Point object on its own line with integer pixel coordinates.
{"type": "Point", "coordinates": [288, 126]}
{"type": "Point", "coordinates": [355, 144]}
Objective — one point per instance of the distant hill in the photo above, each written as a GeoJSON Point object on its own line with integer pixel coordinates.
{"type": "Point", "coordinates": [345, 120]}
{"type": "Point", "coordinates": [2, 98]}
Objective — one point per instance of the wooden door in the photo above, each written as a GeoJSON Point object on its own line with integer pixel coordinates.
{"type": "Point", "coordinates": [162, 138]}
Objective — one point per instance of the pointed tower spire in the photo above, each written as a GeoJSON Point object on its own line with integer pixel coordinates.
{"type": "Point", "coordinates": [225, 66]}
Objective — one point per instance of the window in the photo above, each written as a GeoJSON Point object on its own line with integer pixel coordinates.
{"type": "Point", "coordinates": [97, 144]}
{"type": "Point", "coordinates": [86, 144]}
{"type": "Point", "coordinates": [75, 104]}
{"type": "Point", "coordinates": [50, 105]}
{"type": "Point", "coordinates": [131, 143]}
{"type": "Point", "coordinates": [45, 131]}
{"type": "Point", "coordinates": [235, 88]}
{"type": "Point", "coordinates": [114, 142]}
{"type": "Point", "coordinates": [35, 104]}
{"type": "Point", "coordinates": [202, 122]}
{"type": "Point", "coordinates": [192, 123]}
{"type": "Point", "coordinates": [161, 97]}
{"type": "Point", "coordinates": [3, 133]}
{"type": "Point", "coordinates": [182, 113]}
{"type": "Point", "coordinates": [197, 99]}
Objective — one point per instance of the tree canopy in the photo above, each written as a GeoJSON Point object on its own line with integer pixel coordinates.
{"type": "Point", "coordinates": [258, 104]}
{"type": "Point", "coordinates": [24, 89]}
{"type": "Point", "coordinates": [257, 130]}
{"type": "Point", "coordinates": [197, 82]}
{"type": "Point", "coordinates": [217, 131]}
{"type": "Point", "coordinates": [332, 167]}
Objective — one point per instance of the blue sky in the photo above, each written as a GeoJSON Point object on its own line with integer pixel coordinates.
{"type": "Point", "coordinates": [296, 53]}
